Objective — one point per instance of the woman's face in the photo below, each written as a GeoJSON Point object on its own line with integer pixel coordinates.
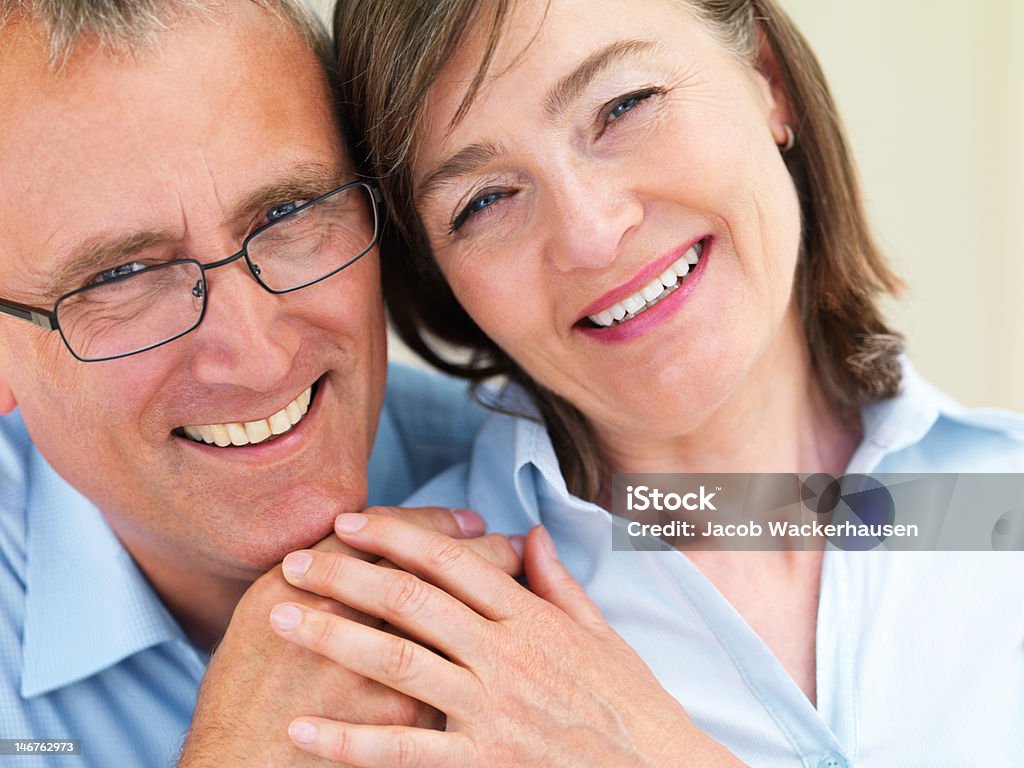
{"type": "Point", "coordinates": [614, 143]}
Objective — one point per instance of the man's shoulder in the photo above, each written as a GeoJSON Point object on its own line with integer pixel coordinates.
{"type": "Point", "coordinates": [428, 404]}
{"type": "Point", "coordinates": [427, 424]}
{"type": "Point", "coordinates": [15, 451]}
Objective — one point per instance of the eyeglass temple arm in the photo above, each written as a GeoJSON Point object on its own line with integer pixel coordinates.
{"type": "Point", "coordinates": [34, 315]}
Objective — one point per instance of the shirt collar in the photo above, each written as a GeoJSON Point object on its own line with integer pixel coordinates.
{"type": "Point", "coordinates": [87, 605]}
{"type": "Point", "coordinates": [889, 426]}
{"type": "Point", "coordinates": [517, 431]}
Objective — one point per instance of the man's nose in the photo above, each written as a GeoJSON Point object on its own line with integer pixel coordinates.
{"type": "Point", "coordinates": [592, 215]}
{"type": "Point", "coordinates": [244, 339]}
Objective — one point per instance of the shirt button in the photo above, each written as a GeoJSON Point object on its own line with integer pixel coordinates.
{"type": "Point", "coordinates": [832, 760]}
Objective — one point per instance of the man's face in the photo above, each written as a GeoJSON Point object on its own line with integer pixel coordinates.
{"type": "Point", "coordinates": [188, 145]}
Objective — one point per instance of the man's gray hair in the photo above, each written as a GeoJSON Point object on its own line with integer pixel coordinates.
{"type": "Point", "coordinates": [133, 25]}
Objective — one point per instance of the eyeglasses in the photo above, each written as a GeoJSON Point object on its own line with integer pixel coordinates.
{"type": "Point", "coordinates": [135, 310]}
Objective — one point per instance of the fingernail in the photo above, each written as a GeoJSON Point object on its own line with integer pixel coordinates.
{"type": "Point", "coordinates": [516, 543]}
{"type": "Point", "coordinates": [285, 617]}
{"type": "Point", "coordinates": [302, 731]}
{"type": "Point", "coordinates": [350, 522]}
{"type": "Point", "coordinates": [470, 523]}
{"type": "Point", "coordinates": [296, 564]}
{"type": "Point", "coordinates": [549, 545]}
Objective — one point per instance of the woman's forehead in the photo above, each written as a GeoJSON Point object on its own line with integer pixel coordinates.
{"type": "Point", "coordinates": [543, 48]}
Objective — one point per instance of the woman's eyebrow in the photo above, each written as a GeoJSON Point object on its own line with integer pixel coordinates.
{"type": "Point", "coordinates": [561, 96]}
{"type": "Point", "coordinates": [464, 162]}
{"type": "Point", "coordinates": [567, 90]}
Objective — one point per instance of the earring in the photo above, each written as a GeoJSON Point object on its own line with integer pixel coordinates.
{"type": "Point", "coordinates": [790, 139]}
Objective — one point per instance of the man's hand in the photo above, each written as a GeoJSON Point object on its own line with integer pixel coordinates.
{"type": "Point", "coordinates": [257, 683]}
{"type": "Point", "coordinates": [524, 679]}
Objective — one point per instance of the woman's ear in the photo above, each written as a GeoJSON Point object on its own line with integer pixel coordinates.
{"type": "Point", "coordinates": [776, 99]}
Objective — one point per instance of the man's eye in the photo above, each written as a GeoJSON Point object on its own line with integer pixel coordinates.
{"type": "Point", "coordinates": [282, 210]}
{"type": "Point", "coordinates": [119, 271]}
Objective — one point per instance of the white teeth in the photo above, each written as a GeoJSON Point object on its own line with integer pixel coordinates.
{"type": "Point", "coordinates": [650, 294]}
{"type": "Point", "coordinates": [220, 435]}
{"type": "Point", "coordinates": [632, 303]}
{"type": "Point", "coordinates": [237, 434]}
{"type": "Point", "coordinates": [252, 432]}
{"type": "Point", "coordinates": [280, 423]}
{"type": "Point", "coordinates": [257, 431]}
{"type": "Point", "coordinates": [652, 291]}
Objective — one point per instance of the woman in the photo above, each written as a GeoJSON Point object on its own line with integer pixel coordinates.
{"type": "Point", "coordinates": [645, 216]}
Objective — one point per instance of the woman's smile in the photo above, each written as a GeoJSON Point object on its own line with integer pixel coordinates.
{"type": "Point", "coordinates": [675, 274]}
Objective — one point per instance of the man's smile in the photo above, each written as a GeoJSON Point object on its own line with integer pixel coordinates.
{"type": "Point", "coordinates": [252, 432]}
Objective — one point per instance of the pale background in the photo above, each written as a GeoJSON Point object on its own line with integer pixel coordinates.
{"type": "Point", "coordinates": [932, 92]}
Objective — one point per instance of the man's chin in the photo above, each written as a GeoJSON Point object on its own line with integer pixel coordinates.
{"type": "Point", "coordinates": [259, 540]}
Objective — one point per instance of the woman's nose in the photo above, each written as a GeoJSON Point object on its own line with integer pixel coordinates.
{"type": "Point", "coordinates": [593, 214]}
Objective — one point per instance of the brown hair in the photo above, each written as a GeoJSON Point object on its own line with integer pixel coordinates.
{"type": "Point", "coordinates": [390, 55]}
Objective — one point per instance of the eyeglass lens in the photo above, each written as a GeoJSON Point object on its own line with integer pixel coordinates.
{"type": "Point", "coordinates": [140, 310]}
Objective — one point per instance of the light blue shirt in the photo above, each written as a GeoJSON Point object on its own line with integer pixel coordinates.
{"type": "Point", "coordinates": [920, 655]}
{"type": "Point", "coordinates": [87, 649]}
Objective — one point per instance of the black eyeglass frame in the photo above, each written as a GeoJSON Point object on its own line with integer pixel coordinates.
{"type": "Point", "coordinates": [47, 319]}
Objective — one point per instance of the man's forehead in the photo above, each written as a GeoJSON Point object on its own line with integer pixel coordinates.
{"type": "Point", "coordinates": [221, 117]}
{"type": "Point", "coordinates": [65, 29]}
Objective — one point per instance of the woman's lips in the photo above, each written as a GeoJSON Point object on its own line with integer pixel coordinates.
{"type": "Point", "coordinates": [664, 301]}
{"type": "Point", "coordinates": [652, 285]}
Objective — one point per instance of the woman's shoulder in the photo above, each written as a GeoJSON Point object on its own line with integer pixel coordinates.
{"type": "Point", "coordinates": [977, 440]}
{"type": "Point", "coordinates": [924, 429]}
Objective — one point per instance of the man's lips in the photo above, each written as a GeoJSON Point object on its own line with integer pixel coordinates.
{"type": "Point", "coordinates": [238, 433]}
{"type": "Point", "coordinates": [652, 284]}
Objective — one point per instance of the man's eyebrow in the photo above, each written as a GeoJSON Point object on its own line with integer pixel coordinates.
{"type": "Point", "coordinates": [464, 162]}
{"type": "Point", "coordinates": [100, 253]}
{"type": "Point", "coordinates": [302, 182]}
{"type": "Point", "coordinates": [94, 255]}
{"type": "Point", "coordinates": [567, 90]}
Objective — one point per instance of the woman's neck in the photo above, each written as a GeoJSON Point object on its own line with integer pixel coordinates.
{"type": "Point", "coordinates": [777, 420]}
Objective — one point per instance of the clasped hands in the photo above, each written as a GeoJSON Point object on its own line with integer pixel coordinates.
{"type": "Point", "coordinates": [524, 678]}
{"type": "Point", "coordinates": [435, 656]}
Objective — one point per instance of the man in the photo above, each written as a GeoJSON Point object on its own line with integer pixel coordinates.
{"type": "Point", "coordinates": [200, 392]}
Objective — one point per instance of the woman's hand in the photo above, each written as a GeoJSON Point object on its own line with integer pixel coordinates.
{"type": "Point", "coordinates": [525, 679]}
{"type": "Point", "coordinates": [256, 684]}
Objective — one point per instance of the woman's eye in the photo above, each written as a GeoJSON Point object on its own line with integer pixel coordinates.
{"type": "Point", "coordinates": [476, 205]}
{"type": "Point", "coordinates": [119, 271]}
{"type": "Point", "coordinates": [621, 106]}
